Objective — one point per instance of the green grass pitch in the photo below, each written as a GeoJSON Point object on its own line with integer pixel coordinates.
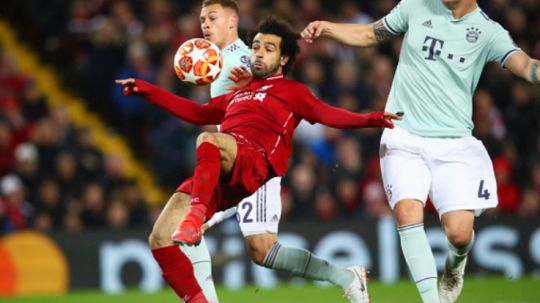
{"type": "Point", "coordinates": [477, 290]}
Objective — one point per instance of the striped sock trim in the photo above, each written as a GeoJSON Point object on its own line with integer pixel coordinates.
{"type": "Point", "coordinates": [424, 279]}
{"type": "Point", "coordinates": [409, 226]}
{"type": "Point", "coordinates": [307, 265]}
{"type": "Point", "coordinates": [271, 256]}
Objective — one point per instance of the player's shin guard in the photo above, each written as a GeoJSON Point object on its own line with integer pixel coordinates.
{"type": "Point", "coordinates": [420, 260]}
{"type": "Point", "coordinates": [178, 273]}
{"type": "Point", "coordinates": [202, 267]}
{"type": "Point", "coordinates": [302, 263]}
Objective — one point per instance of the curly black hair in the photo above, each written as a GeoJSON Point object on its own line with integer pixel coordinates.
{"type": "Point", "coordinates": [289, 38]}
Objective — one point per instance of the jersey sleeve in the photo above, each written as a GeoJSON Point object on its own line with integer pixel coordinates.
{"type": "Point", "coordinates": [185, 109]}
{"type": "Point", "coordinates": [397, 21]}
{"type": "Point", "coordinates": [501, 46]}
{"type": "Point", "coordinates": [304, 103]}
{"type": "Point", "coordinates": [310, 108]}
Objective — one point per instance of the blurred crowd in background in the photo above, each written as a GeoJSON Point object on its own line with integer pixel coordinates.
{"type": "Point", "coordinates": [53, 176]}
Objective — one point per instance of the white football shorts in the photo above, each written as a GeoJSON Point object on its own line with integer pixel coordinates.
{"type": "Point", "coordinates": [260, 213]}
{"type": "Point", "coordinates": [456, 173]}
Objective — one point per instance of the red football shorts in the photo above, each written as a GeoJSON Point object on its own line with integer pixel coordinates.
{"type": "Point", "coordinates": [250, 171]}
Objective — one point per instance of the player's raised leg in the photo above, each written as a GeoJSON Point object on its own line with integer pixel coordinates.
{"type": "Point", "coordinates": [216, 153]}
{"type": "Point", "coordinates": [175, 265]}
{"type": "Point", "coordinates": [458, 226]}
{"type": "Point", "coordinates": [266, 251]}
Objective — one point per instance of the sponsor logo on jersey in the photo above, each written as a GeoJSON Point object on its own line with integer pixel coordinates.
{"type": "Point", "coordinates": [264, 87]}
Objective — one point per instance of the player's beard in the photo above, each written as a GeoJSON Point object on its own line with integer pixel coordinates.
{"type": "Point", "coordinates": [267, 71]}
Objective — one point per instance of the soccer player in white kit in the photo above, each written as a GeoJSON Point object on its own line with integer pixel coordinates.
{"type": "Point", "coordinates": [431, 151]}
{"type": "Point", "coordinates": [260, 213]}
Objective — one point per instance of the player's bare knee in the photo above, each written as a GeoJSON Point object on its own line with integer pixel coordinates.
{"type": "Point", "coordinates": [206, 137]}
{"type": "Point", "coordinates": [459, 238]}
{"type": "Point", "coordinates": [158, 240]}
{"type": "Point", "coordinates": [259, 246]}
{"type": "Point", "coordinates": [409, 212]}
{"type": "Point", "coordinates": [258, 256]}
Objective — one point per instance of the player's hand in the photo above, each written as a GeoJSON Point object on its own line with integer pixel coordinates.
{"type": "Point", "coordinates": [204, 227]}
{"type": "Point", "coordinates": [130, 86]}
{"type": "Point", "coordinates": [381, 119]}
{"type": "Point", "coordinates": [388, 117]}
{"type": "Point", "coordinates": [313, 31]}
{"type": "Point", "coordinates": [241, 76]}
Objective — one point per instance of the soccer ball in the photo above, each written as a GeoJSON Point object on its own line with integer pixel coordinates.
{"type": "Point", "coordinates": [198, 61]}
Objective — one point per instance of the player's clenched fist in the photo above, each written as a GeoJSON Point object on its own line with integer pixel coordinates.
{"type": "Point", "coordinates": [313, 31]}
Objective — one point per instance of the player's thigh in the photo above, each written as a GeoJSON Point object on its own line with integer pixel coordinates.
{"type": "Point", "coordinates": [463, 178]}
{"type": "Point", "coordinates": [404, 171]}
{"type": "Point", "coordinates": [260, 213]}
{"type": "Point", "coordinates": [169, 219]}
{"type": "Point", "coordinates": [228, 148]}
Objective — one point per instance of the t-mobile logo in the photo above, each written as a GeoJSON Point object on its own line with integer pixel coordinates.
{"type": "Point", "coordinates": [433, 46]}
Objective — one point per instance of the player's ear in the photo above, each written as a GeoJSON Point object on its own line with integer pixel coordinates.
{"type": "Point", "coordinates": [284, 60]}
{"type": "Point", "coordinates": [234, 22]}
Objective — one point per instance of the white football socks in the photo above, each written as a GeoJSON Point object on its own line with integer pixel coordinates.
{"type": "Point", "coordinates": [419, 257]}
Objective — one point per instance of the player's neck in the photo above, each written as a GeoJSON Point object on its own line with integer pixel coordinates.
{"type": "Point", "coordinates": [232, 38]}
{"type": "Point", "coordinates": [461, 8]}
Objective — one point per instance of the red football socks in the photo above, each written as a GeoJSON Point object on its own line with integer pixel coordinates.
{"type": "Point", "coordinates": [206, 174]}
{"type": "Point", "coordinates": [178, 272]}
{"type": "Point", "coordinates": [205, 180]}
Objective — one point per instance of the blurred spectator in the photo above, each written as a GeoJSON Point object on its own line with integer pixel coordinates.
{"type": "Point", "coordinates": [117, 215]}
{"type": "Point", "coordinates": [90, 158]}
{"type": "Point", "coordinates": [68, 176]}
{"type": "Point", "coordinates": [303, 185]}
{"type": "Point", "coordinates": [129, 195]}
{"type": "Point", "coordinates": [27, 167]}
{"type": "Point", "coordinates": [507, 189]}
{"type": "Point", "coordinates": [94, 209]}
{"type": "Point", "coordinates": [49, 203]}
{"type": "Point", "coordinates": [7, 148]}
{"type": "Point", "coordinates": [325, 205]}
{"type": "Point", "coordinates": [373, 194]}
{"type": "Point", "coordinates": [17, 210]}
{"type": "Point", "coordinates": [530, 203]}
{"type": "Point", "coordinates": [489, 124]}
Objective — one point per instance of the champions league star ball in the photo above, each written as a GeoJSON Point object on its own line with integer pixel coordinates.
{"type": "Point", "coordinates": [198, 61]}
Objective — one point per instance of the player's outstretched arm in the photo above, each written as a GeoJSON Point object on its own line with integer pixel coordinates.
{"type": "Point", "coordinates": [358, 35]}
{"type": "Point", "coordinates": [185, 109]}
{"type": "Point", "coordinates": [341, 118]}
{"type": "Point", "coordinates": [524, 66]}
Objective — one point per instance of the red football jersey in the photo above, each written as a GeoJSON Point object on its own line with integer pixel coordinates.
{"type": "Point", "coordinates": [265, 112]}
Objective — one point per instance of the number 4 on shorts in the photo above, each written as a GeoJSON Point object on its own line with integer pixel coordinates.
{"type": "Point", "coordinates": [483, 193]}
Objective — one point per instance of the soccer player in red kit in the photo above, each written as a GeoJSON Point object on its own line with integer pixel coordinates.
{"type": "Point", "coordinates": [253, 145]}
